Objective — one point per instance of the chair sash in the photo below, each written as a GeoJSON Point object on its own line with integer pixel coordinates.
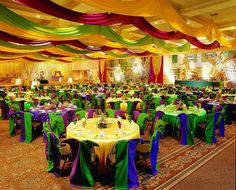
{"type": "Point", "coordinates": [141, 121]}
{"type": "Point", "coordinates": [125, 174]}
{"type": "Point", "coordinates": [53, 153]}
{"type": "Point", "coordinates": [26, 125]}
{"type": "Point", "coordinates": [81, 156]}
{"type": "Point", "coordinates": [185, 129]}
{"type": "Point", "coordinates": [90, 112]}
{"type": "Point", "coordinates": [211, 127]}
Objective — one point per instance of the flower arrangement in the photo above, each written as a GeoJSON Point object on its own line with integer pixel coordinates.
{"type": "Point", "coordinates": [102, 122]}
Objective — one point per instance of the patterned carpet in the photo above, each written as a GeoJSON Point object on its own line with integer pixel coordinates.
{"type": "Point", "coordinates": [23, 166]}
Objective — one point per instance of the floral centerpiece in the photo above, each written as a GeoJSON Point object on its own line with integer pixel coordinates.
{"type": "Point", "coordinates": [102, 122]}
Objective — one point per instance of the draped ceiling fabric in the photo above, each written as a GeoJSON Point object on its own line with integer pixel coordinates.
{"type": "Point", "coordinates": [163, 9]}
{"type": "Point", "coordinates": [156, 70]}
{"type": "Point", "coordinates": [63, 42]}
{"type": "Point", "coordinates": [22, 39]}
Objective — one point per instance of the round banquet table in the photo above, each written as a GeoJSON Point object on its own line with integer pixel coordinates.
{"type": "Point", "coordinates": [171, 115]}
{"type": "Point", "coordinates": [105, 137]}
{"type": "Point", "coordinates": [123, 100]}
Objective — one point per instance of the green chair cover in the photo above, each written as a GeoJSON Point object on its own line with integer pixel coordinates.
{"type": "Point", "coordinates": [117, 105]}
{"type": "Point", "coordinates": [82, 114]}
{"type": "Point", "coordinates": [57, 123]}
{"type": "Point", "coordinates": [141, 121]}
{"type": "Point", "coordinates": [110, 112]}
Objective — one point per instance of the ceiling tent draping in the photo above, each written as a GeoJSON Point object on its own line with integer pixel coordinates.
{"type": "Point", "coordinates": [162, 8]}
{"type": "Point", "coordinates": [109, 19]}
{"type": "Point", "coordinates": [22, 38]}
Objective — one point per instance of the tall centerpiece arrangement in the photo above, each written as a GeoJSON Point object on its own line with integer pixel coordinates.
{"type": "Point", "coordinates": [102, 123]}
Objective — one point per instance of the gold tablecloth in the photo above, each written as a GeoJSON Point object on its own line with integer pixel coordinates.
{"type": "Point", "coordinates": [105, 137]}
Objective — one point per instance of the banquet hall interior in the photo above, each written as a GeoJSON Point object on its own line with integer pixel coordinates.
{"type": "Point", "coordinates": [117, 94]}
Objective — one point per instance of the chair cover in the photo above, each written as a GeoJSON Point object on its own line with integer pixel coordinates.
{"type": "Point", "coordinates": [26, 125]}
{"type": "Point", "coordinates": [117, 105]}
{"type": "Point", "coordinates": [134, 105]}
{"type": "Point", "coordinates": [81, 157]}
{"type": "Point", "coordinates": [185, 130]}
{"type": "Point", "coordinates": [119, 113]}
{"type": "Point", "coordinates": [53, 153]}
{"type": "Point", "coordinates": [90, 112]}
{"type": "Point", "coordinates": [141, 121]}
{"type": "Point", "coordinates": [212, 119]}
{"type": "Point", "coordinates": [154, 145]}
{"type": "Point", "coordinates": [57, 123]}
{"type": "Point", "coordinates": [125, 173]}
{"type": "Point", "coordinates": [110, 112]}
{"type": "Point", "coordinates": [159, 114]}
{"type": "Point", "coordinates": [135, 115]}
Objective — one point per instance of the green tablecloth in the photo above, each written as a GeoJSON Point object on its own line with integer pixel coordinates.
{"type": "Point", "coordinates": [171, 115]}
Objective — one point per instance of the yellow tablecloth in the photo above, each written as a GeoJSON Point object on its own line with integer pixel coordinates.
{"type": "Point", "coordinates": [106, 137]}
{"type": "Point", "coordinates": [121, 99]}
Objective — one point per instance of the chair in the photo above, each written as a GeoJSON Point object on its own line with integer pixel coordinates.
{"type": "Point", "coordinates": [121, 162]}
{"type": "Point", "coordinates": [149, 149]}
{"type": "Point", "coordinates": [57, 123]}
{"type": "Point", "coordinates": [68, 117]}
{"type": "Point", "coordinates": [90, 112]}
{"type": "Point", "coordinates": [117, 105]}
{"type": "Point", "coordinates": [24, 120]}
{"type": "Point", "coordinates": [119, 113]}
{"type": "Point", "coordinates": [84, 162]}
{"type": "Point", "coordinates": [110, 112]}
{"type": "Point", "coordinates": [186, 132]}
{"type": "Point", "coordinates": [209, 127]}
{"type": "Point", "coordinates": [141, 121]}
{"type": "Point", "coordinates": [55, 152]}
{"type": "Point", "coordinates": [135, 115]}
{"type": "Point", "coordinates": [81, 114]}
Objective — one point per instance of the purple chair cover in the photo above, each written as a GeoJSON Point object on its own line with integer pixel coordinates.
{"type": "Point", "coordinates": [78, 175]}
{"type": "Point", "coordinates": [90, 112]}
{"type": "Point", "coordinates": [112, 104]}
{"type": "Point", "coordinates": [55, 153]}
{"type": "Point", "coordinates": [132, 172]}
{"type": "Point", "coordinates": [162, 101]}
{"type": "Point", "coordinates": [183, 128]}
{"type": "Point", "coordinates": [103, 105]}
{"type": "Point", "coordinates": [204, 104]}
{"type": "Point", "coordinates": [159, 114]}
{"type": "Point", "coordinates": [218, 108]}
{"type": "Point", "coordinates": [76, 96]}
{"type": "Point", "coordinates": [88, 97]}
{"type": "Point", "coordinates": [119, 113]}
{"type": "Point", "coordinates": [68, 117]}
{"type": "Point", "coordinates": [135, 115]}
{"type": "Point", "coordinates": [134, 104]}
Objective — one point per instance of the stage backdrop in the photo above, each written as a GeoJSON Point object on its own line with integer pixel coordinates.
{"type": "Point", "coordinates": [29, 71]}
{"type": "Point", "coordinates": [213, 66]}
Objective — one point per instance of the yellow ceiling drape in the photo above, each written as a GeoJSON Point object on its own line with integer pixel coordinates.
{"type": "Point", "coordinates": [163, 9]}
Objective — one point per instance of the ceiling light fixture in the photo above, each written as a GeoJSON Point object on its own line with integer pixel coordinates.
{"type": "Point", "coordinates": [38, 16]}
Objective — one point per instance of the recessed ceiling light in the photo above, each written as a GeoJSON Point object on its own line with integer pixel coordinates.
{"type": "Point", "coordinates": [38, 16]}
{"type": "Point", "coordinates": [232, 27]}
{"type": "Point", "coordinates": [188, 22]}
